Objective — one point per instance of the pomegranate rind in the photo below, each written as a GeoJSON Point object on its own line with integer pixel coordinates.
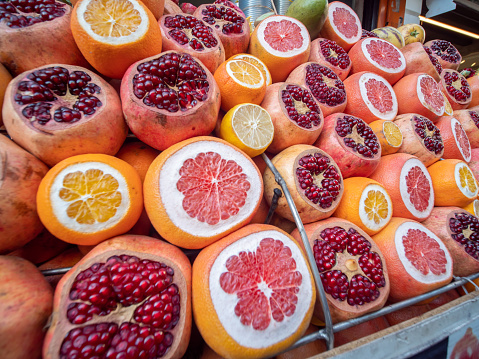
{"type": "Point", "coordinates": [213, 309]}
{"type": "Point", "coordinates": [438, 222]}
{"type": "Point", "coordinates": [407, 280]}
{"type": "Point", "coordinates": [417, 61]}
{"type": "Point", "coordinates": [164, 202]}
{"type": "Point", "coordinates": [102, 132]}
{"type": "Point", "coordinates": [142, 247]}
{"type": "Point", "coordinates": [286, 163]}
{"type": "Point", "coordinates": [455, 104]}
{"type": "Point", "coordinates": [445, 64]}
{"type": "Point", "coordinates": [316, 55]}
{"type": "Point", "coordinates": [161, 129]}
{"type": "Point", "coordinates": [341, 310]}
{"type": "Point", "coordinates": [41, 44]}
{"type": "Point", "coordinates": [465, 117]}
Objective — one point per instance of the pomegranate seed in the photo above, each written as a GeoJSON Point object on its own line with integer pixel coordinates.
{"type": "Point", "coordinates": [429, 134]}
{"type": "Point", "coordinates": [296, 99]}
{"type": "Point", "coordinates": [446, 51]}
{"type": "Point", "coordinates": [325, 85]}
{"type": "Point", "coordinates": [465, 230]}
{"type": "Point", "coordinates": [225, 17]}
{"type": "Point", "coordinates": [349, 126]}
{"type": "Point", "coordinates": [334, 54]}
{"type": "Point", "coordinates": [14, 12]}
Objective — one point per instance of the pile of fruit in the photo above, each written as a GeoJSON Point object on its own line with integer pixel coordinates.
{"type": "Point", "coordinates": [151, 181]}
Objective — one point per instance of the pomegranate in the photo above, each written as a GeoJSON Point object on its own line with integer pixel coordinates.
{"type": "Point", "coordinates": [186, 33]}
{"type": "Point", "coordinates": [296, 115]}
{"type": "Point", "coordinates": [325, 85]}
{"type": "Point", "coordinates": [421, 138]}
{"type": "Point", "coordinates": [35, 33]}
{"type": "Point", "coordinates": [456, 88]}
{"type": "Point", "coordinates": [171, 8]}
{"type": "Point", "coordinates": [188, 8]}
{"type": "Point", "coordinates": [20, 177]}
{"type": "Point", "coordinates": [459, 230]}
{"type": "Point", "coordinates": [230, 4]}
{"type": "Point", "coordinates": [467, 347]}
{"type": "Point", "coordinates": [313, 179]}
{"type": "Point", "coordinates": [419, 59]}
{"type": "Point", "coordinates": [469, 120]}
{"type": "Point", "coordinates": [352, 268]}
{"type": "Point", "coordinates": [351, 143]}
{"type": "Point", "coordinates": [366, 33]}
{"type": "Point", "coordinates": [168, 98]}
{"type": "Point", "coordinates": [446, 53]}
{"type": "Point", "coordinates": [230, 25]}
{"type": "Point", "coordinates": [66, 259]}
{"type": "Point", "coordinates": [130, 296]}
{"type": "Point", "coordinates": [57, 111]}
{"type": "Point", "coordinates": [27, 301]}
{"type": "Point", "coordinates": [328, 53]}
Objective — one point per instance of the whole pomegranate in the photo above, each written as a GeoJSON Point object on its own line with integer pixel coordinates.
{"type": "Point", "coordinates": [35, 33]}
{"type": "Point", "coordinates": [352, 268]}
{"type": "Point", "coordinates": [129, 297]}
{"type": "Point", "coordinates": [169, 98]}
{"type": "Point", "coordinates": [57, 111]}
{"type": "Point", "coordinates": [26, 304]}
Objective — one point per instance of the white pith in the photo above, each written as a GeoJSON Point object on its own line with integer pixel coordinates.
{"type": "Point", "coordinates": [265, 68]}
{"type": "Point", "coordinates": [410, 269]}
{"type": "Point", "coordinates": [333, 6]}
{"type": "Point", "coordinates": [420, 95]}
{"type": "Point", "coordinates": [405, 196]}
{"type": "Point", "coordinates": [60, 206]}
{"type": "Point", "coordinates": [230, 73]}
{"type": "Point", "coordinates": [390, 115]}
{"type": "Point", "coordinates": [363, 214]}
{"type": "Point", "coordinates": [465, 190]}
{"type": "Point", "coordinates": [287, 54]}
{"type": "Point", "coordinates": [172, 198]}
{"type": "Point", "coordinates": [475, 206]}
{"type": "Point", "coordinates": [139, 33]}
{"type": "Point", "coordinates": [225, 303]}
{"type": "Point", "coordinates": [454, 122]}
{"type": "Point", "coordinates": [366, 53]}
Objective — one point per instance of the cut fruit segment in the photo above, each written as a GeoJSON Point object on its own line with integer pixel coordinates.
{"type": "Point", "coordinates": [389, 136]}
{"type": "Point", "coordinates": [473, 208]}
{"type": "Point", "coordinates": [328, 53]}
{"type": "Point", "coordinates": [454, 183]}
{"type": "Point", "coordinates": [366, 204]}
{"type": "Point", "coordinates": [249, 127]}
{"type": "Point", "coordinates": [256, 62]}
{"type": "Point", "coordinates": [469, 120]}
{"type": "Point", "coordinates": [253, 292]}
{"type": "Point", "coordinates": [417, 260]}
{"type": "Point", "coordinates": [456, 88]}
{"type": "Point", "coordinates": [86, 199]}
{"type": "Point", "coordinates": [409, 184]}
{"type": "Point", "coordinates": [456, 142]}
{"type": "Point", "coordinates": [201, 189]}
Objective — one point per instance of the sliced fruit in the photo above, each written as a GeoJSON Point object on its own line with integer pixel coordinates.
{"type": "Point", "coordinates": [473, 208]}
{"type": "Point", "coordinates": [258, 63]}
{"type": "Point", "coordinates": [328, 53]}
{"type": "Point", "coordinates": [456, 142]}
{"type": "Point", "coordinates": [456, 88]}
{"type": "Point", "coordinates": [417, 260]}
{"type": "Point", "coordinates": [253, 292]}
{"type": "Point", "coordinates": [201, 189]}
{"type": "Point", "coordinates": [389, 135]}
{"type": "Point", "coordinates": [419, 59]}
{"type": "Point", "coordinates": [469, 120]}
{"type": "Point", "coordinates": [454, 183]}
{"type": "Point", "coordinates": [5, 78]}
{"type": "Point", "coordinates": [312, 13]}
{"type": "Point", "coordinates": [448, 56]}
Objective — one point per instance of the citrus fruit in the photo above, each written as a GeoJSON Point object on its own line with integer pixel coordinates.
{"type": "Point", "coordinates": [365, 203]}
{"type": "Point", "coordinates": [112, 35]}
{"type": "Point", "coordinates": [378, 56]}
{"type": "Point", "coordinates": [389, 135]}
{"type": "Point", "coordinates": [417, 260]}
{"type": "Point", "coordinates": [258, 63]}
{"type": "Point", "coordinates": [359, 331]}
{"type": "Point", "coordinates": [249, 127]}
{"type": "Point", "coordinates": [454, 183]}
{"type": "Point", "coordinates": [199, 190]}
{"type": "Point", "coordinates": [474, 85]}
{"type": "Point", "coordinates": [86, 199]}
{"type": "Point", "coordinates": [253, 292]}
{"type": "Point", "coordinates": [5, 78]}
{"type": "Point", "coordinates": [456, 142]}
{"type": "Point", "coordinates": [448, 110]}
{"type": "Point", "coordinates": [282, 43]}
{"type": "Point", "coordinates": [370, 97]}
{"type": "Point", "coordinates": [408, 183]}
{"type": "Point", "coordinates": [410, 312]}
{"type": "Point", "coordinates": [239, 82]}
{"type": "Point", "coordinates": [419, 59]}
{"type": "Point", "coordinates": [312, 13]}
{"type": "Point", "coordinates": [306, 350]}
{"type": "Point", "coordinates": [139, 155]}
{"type": "Point", "coordinates": [469, 120]}
{"type": "Point", "coordinates": [421, 94]}
{"type": "Point", "coordinates": [342, 25]}
{"type": "Point", "coordinates": [473, 207]}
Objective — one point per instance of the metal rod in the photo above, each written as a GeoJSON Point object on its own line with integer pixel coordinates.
{"type": "Point", "coordinates": [56, 271]}
{"type": "Point", "coordinates": [274, 204]}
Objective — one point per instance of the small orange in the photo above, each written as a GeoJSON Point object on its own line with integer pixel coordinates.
{"type": "Point", "coordinates": [257, 62]}
{"type": "Point", "coordinates": [89, 198]}
{"type": "Point", "coordinates": [473, 208]}
{"type": "Point", "coordinates": [139, 155]}
{"type": "Point", "coordinates": [5, 78]}
{"type": "Point", "coordinates": [453, 183]}
{"type": "Point", "coordinates": [239, 82]}
{"type": "Point", "coordinates": [112, 35]}
{"type": "Point", "coordinates": [389, 136]}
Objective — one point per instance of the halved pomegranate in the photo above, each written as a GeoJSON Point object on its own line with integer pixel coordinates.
{"type": "Point", "coordinates": [35, 33]}
{"type": "Point", "coordinates": [189, 34]}
{"type": "Point", "coordinates": [459, 230]}
{"type": "Point", "coordinates": [168, 98]}
{"type": "Point", "coordinates": [351, 143]}
{"type": "Point", "coordinates": [57, 111]}
{"type": "Point", "coordinates": [313, 179]}
{"type": "Point", "coordinates": [352, 268]}
{"type": "Point", "coordinates": [419, 59]}
{"type": "Point", "coordinates": [469, 120]}
{"type": "Point", "coordinates": [328, 53]}
{"type": "Point", "coordinates": [324, 84]}
{"type": "Point", "coordinates": [446, 53]}
{"type": "Point", "coordinates": [296, 115]}
{"type": "Point", "coordinates": [230, 25]}
{"type": "Point", "coordinates": [456, 88]}
{"type": "Point", "coordinates": [421, 138]}
{"type": "Point", "coordinates": [128, 297]}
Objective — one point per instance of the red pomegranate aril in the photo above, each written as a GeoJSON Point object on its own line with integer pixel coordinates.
{"type": "Point", "coordinates": [235, 25]}
{"type": "Point", "coordinates": [427, 131]}
{"type": "Point", "coordinates": [14, 12]}
{"type": "Point", "coordinates": [317, 78]}
{"type": "Point", "coordinates": [335, 54]}
{"type": "Point", "coordinates": [349, 125]}
{"type": "Point", "coordinates": [293, 98]}
{"type": "Point", "coordinates": [366, 33]}
{"type": "Point", "coordinates": [445, 50]}
{"type": "Point", "coordinates": [461, 223]}
{"type": "Point", "coordinates": [434, 61]}
{"type": "Point", "coordinates": [203, 33]}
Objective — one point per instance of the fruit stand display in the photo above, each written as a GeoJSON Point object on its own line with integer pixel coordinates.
{"type": "Point", "coordinates": [185, 181]}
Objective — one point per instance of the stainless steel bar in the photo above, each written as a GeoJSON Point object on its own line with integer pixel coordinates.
{"type": "Point", "coordinates": [57, 271]}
